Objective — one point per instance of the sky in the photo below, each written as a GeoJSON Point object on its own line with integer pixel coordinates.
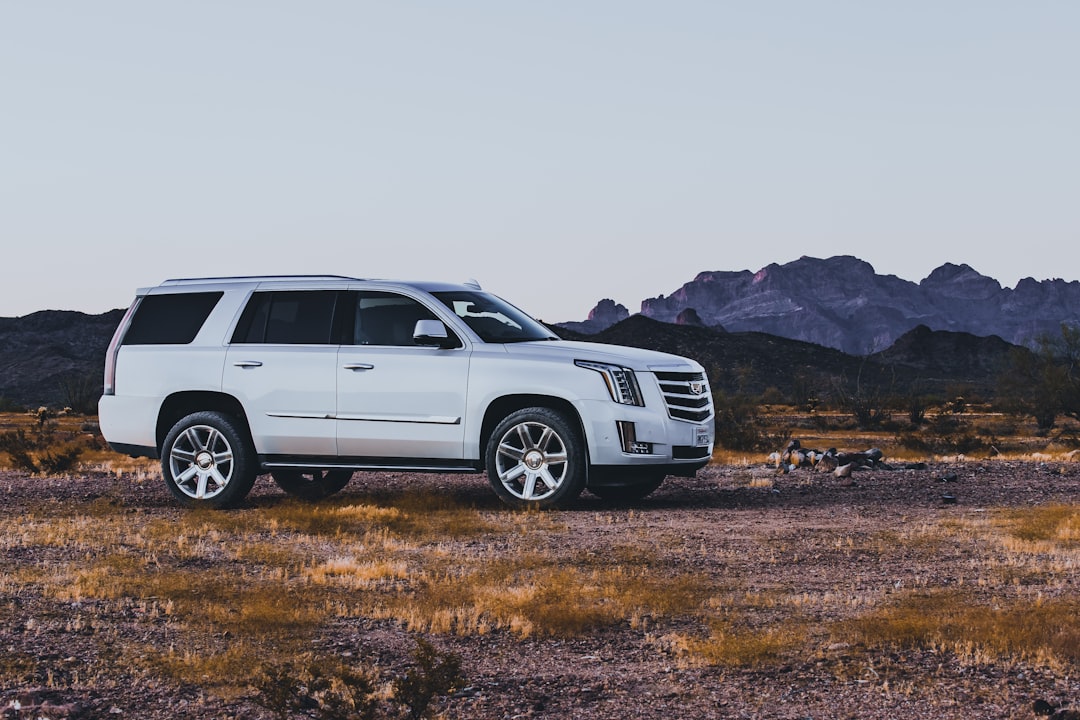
{"type": "Point", "coordinates": [558, 152]}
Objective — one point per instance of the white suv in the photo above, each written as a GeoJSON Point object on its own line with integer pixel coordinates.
{"type": "Point", "coordinates": [313, 377]}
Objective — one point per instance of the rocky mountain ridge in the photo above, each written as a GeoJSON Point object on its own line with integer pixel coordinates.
{"type": "Point", "coordinates": [843, 303]}
{"type": "Point", "coordinates": [47, 356]}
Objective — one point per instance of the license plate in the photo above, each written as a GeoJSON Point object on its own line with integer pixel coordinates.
{"type": "Point", "coordinates": [701, 436]}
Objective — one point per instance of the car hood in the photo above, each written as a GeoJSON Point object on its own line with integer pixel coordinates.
{"type": "Point", "coordinates": [634, 358]}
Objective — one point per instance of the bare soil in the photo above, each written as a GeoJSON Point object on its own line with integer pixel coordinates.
{"type": "Point", "coordinates": [802, 532]}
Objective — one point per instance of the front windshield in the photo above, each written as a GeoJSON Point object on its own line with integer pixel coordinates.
{"type": "Point", "coordinates": [493, 319]}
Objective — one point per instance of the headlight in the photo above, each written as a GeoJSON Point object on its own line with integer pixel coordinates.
{"type": "Point", "coordinates": [621, 382]}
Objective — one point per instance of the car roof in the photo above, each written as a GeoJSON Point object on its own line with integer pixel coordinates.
{"type": "Point", "coordinates": [335, 279]}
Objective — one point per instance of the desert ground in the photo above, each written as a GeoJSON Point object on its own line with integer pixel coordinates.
{"type": "Point", "coordinates": [945, 592]}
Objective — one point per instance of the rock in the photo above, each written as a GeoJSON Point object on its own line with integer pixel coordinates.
{"type": "Point", "coordinates": [1042, 707]}
{"type": "Point", "coordinates": [689, 316]}
{"type": "Point", "coordinates": [827, 463]}
{"type": "Point", "coordinates": [606, 313]}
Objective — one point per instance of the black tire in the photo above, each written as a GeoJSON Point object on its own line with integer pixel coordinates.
{"type": "Point", "coordinates": [637, 489]}
{"type": "Point", "coordinates": [536, 459]}
{"type": "Point", "coordinates": [208, 461]}
{"type": "Point", "coordinates": [311, 485]}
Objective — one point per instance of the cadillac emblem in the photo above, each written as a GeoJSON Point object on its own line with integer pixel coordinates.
{"type": "Point", "coordinates": [697, 388]}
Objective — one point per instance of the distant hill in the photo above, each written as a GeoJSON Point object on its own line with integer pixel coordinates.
{"type": "Point", "coordinates": [843, 303]}
{"type": "Point", "coordinates": [922, 360]}
{"type": "Point", "coordinates": [43, 354]}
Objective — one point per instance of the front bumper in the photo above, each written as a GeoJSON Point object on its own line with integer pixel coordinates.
{"type": "Point", "coordinates": [675, 445]}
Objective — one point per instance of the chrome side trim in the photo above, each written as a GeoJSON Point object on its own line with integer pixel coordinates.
{"type": "Point", "coordinates": [420, 419]}
{"type": "Point", "coordinates": [423, 419]}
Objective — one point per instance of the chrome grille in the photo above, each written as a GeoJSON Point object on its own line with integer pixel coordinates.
{"type": "Point", "coordinates": [682, 404]}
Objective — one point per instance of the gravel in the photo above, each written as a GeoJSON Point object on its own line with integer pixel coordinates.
{"type": "Point", "coordinates": [797, 533]}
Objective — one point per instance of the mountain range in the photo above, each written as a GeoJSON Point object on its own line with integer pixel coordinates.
{"type": "Point", "coordinates": [810, 325]}
{"type": "Point", "coordinates": [843, 303]}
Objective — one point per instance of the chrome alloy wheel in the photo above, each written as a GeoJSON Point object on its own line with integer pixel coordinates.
{"type": "Point", "coordinates": [201, 462]}
{"type": "Point", "coordinates": [531, 461]}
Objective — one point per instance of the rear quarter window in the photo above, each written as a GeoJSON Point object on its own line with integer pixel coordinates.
{"type": "Point", "coordinates": [290, 317]}
{"type": "Point", "coordinates": [171, 319]}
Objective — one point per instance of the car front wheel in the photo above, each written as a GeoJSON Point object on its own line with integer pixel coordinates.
{"type": "Point", "coordinates": [208, 461]}
{"type": "Point", "coordinates": [536, 458]}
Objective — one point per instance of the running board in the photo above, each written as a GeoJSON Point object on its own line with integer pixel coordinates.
{"type": "Point", "coordinates": [399, 464]}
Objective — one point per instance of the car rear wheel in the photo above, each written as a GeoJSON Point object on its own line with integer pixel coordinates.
{"type": "Point", "coordinates": [536, 458]}
{"type": "Point", "coordinates": [208, 461]}
{"type": "Point", "coordinates": [311, 484]}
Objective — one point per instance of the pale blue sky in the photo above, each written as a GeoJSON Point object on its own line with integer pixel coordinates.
{"type": "Point", "coordinates": [559, 152]}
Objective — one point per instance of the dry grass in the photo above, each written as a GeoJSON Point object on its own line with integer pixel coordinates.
{"type": "Point", "coordinates": [1040, 632]}
{"type": "Point", "coordinates": [301, 568]}
{"type": "Point", "coordinates": [227, 597]}
{"type": "Point", "coordinates": [540, 594]}
{"type": "Point", "coordinates": [1021, 605]}
{"type": "Point", "coordinates": [1049, 526]}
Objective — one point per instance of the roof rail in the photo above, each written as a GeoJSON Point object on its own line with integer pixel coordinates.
{"type": "Point", "coordinates": [177, 281]}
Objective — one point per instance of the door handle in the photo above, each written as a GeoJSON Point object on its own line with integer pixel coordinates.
{"type": "Point", "coordinates": [247, 364]}
{"type": "Point", "coordinates": [359, 366]}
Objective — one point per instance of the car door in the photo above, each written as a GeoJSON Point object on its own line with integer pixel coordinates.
{"type": "Point", "coordinates": [281, 365]}
{"type": "Point", "coordinates": [397, 399]}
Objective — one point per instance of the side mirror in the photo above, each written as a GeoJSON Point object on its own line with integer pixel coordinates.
{"type": "Point", "coordinates": [432, 332]}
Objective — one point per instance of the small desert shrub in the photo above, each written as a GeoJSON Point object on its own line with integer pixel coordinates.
{"type": "Point", "coordinates": [739, 425]}
{"type": "Point", "coordinates": [772, 396]}
{"type": "Point", "coordinates": [18, 446]}
{"type": "Point", "coordinates": [1068, 438]}
{"type": "Point", "coordinates": [9, 405]}
{"type": "Point", "coordinates": [59, 460]}
{"type": "Point", "coordinates": [317, 688]}
{"type": "Point", "coordinates": [38, 454]}
{"type": "Point", "coordinates": [81, 392]}
{"type": "Point", "coordinates": [730, 647]}
{"type": "Point", "coordinates": [436, 673]}
{"type": "Point", "coordinates": [946, 433]}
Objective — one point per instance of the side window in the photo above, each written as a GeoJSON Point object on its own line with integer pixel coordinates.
{"type": "Point", "coordinates": [387, 318]}
{"type": "Point", "coordinates": [171, 319]}
{"type": "Point", "coordinates": [299, 317]}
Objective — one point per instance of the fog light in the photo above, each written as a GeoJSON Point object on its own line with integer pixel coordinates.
{"type": "Point", "coordinates": [628, 439]}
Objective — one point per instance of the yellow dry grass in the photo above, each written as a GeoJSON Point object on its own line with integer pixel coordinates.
{"type": "Point", "coordinates": [227, 595]}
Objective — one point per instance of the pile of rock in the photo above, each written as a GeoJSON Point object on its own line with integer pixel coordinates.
{"type": "Point", "coordinates": [841, 464]}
